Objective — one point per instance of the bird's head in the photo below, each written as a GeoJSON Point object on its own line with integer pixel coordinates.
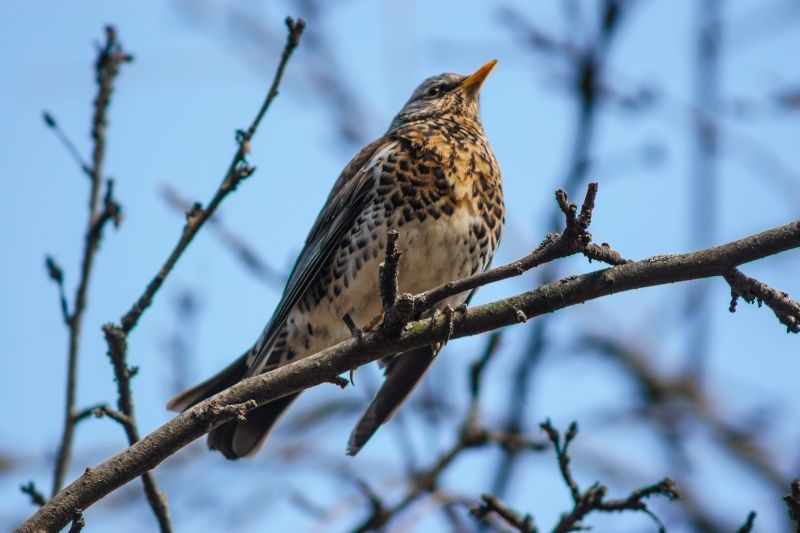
{"type": "Point", "coordinates": [447, 95]}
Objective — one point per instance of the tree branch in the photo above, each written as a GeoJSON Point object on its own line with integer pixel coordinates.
{"type": "Point", "coordinates": [751, 290]}
{"type": "Point", "coordinates": [792, 499]}
{"type": "Point", "coordinates": [238, 170]}
{"type": "Point", "coordinates": [747, 527]}
{"type": "Point", "coordinates": [492, 504]}
{"type": "Point", "coordinates": [333, 361]}
{"type": "Point", "coordinates": [116, 336]}
{"type": "Point", "coordinates": [575, 238]}
{"type": "Point", "coordinates": [109, 59]}
{"type": "Point", "coordinates": [594, 498]}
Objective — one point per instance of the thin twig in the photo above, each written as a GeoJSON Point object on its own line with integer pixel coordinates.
{"type": "Point", "coordinates": [109, 59]}
{"type": "Point", "coordinates": [37, 498]}
{"type": "Point", "coordinates": [492, 504]}
{"type": "Point", "coordinates": [747, 527]}
{"type": "Point", "coordinates": [472, 435]}
{"type": "Point", "coordinates": [238, 170]}
{"type": "Point", "coordinates": [117, 335]}
{"type": "Point", "coordinates": [57, 275]}
{"type": "Point", "coordinates": [241, 249]}
{"type": "Point", "coordinates": [594, 498]}
{"type": "Point", "coordinates": [751, 290]}
{"type": "Point", "coordinates": [586, 63]}
{"type": "Point", "coordinates": [117, 352]}
{"type": "Point", "coordinates": [67, 143]}
{"type": "Point", "coordinates": [671, 402]}
{"type": "Point", "coordinates": [397, 310]}
{"type": "Point", "coordinates": [78, 522]}
{"type": "Point", "coordinates": [792, 499]}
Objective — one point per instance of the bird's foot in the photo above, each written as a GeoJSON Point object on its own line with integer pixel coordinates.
{"type": "Point", "coordinates": [449, 314]}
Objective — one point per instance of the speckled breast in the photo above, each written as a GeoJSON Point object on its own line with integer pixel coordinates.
{"type": "Point", "coordinates": [441, 190]}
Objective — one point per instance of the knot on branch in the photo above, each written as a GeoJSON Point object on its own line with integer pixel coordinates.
{"type": "Point", "coordinates": [223, 413]}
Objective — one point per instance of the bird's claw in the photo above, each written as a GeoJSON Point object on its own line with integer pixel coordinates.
{"type": "Point", "coordinates": [449, 313]}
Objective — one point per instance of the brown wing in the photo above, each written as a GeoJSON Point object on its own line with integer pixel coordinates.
{"type": "Point", "coordinates": [349, 197]}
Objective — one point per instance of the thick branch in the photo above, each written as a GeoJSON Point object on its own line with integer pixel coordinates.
{"type": "Point", "coordinates": [324, 366]}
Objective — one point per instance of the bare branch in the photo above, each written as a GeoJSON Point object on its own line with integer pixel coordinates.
{"type": "Point", "coordinates": [238, 170]}
{"type": "Point", "coordinates": [37, 498]}
{"type": "Point", "coordinates": [747, 527]}
{"type": "Point", "coordinates": [57, 275]}
{"type": "Point", "coordinates": [397, 310]}
{"type": "Point", "coordinates": [241, 249]}
{"type": "Point", "coordinates": [67, 143]}
{"type": "Point", "coordinates": [751, 290]}
{"type": "Point", "coordinates": [593, 498]}
{"type": "Point", "coordinates": [333, 361]}
{"type": "Point", "coordinates": [109, 59]}
{"type": "Point", "coordinates": [118, 353]}
{"type": "Point", "coordinates": [492, 504]}
{"type": "Point", "coordinates": [573, 239]}
{"type": "Point", "coordinates": [78, 522]}
{"type": "Point", "coordinates": [116, 336]}
{"type": "Point", "coordinates": [792, 499]}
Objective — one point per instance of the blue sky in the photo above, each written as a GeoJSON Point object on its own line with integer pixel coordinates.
{"type": "Point", "coordinates": [197, 78]}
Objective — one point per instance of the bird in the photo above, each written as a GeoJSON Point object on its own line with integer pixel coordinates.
{"type": "Point", "coordinates": [434, 179]}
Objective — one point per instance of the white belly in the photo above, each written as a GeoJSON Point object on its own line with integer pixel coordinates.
{"type": "Point", "coordinates": [434, 252]}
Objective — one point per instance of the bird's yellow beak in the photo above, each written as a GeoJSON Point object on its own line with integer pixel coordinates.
{"type": "Point", "coordinates": [472, 83]}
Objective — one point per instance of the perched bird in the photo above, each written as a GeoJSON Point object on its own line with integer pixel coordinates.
{"type": "Point", "coordinates": [433, 177]}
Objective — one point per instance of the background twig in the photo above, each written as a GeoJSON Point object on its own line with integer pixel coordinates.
{"type": "Point", "coordinates": [109, 59]}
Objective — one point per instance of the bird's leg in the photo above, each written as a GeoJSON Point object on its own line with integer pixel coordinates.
{"type": "Point", "coordinates": [357, 333]}
{"type": "Point", "coordinates": [432, 324]}
{"type": "Point", "coordinates": [354, 330]}
{"type": "Point", "coordinates": [449, 313]}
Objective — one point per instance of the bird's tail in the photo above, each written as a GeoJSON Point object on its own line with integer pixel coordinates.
{"type": "Point", "coordinates": [220, 381]}
{"type": "Point", "coordinates": [402, 375]}
{"type": "Point", "coordinates": [234, 439]}
{"type": "Point", "coordinates": [242, 439]}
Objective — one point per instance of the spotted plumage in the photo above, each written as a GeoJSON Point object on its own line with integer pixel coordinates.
{"type": "Point", "coordinates": [433, 178]}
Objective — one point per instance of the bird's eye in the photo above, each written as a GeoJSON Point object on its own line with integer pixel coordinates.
{"type": "Point", "coordinates": [434, 91]}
